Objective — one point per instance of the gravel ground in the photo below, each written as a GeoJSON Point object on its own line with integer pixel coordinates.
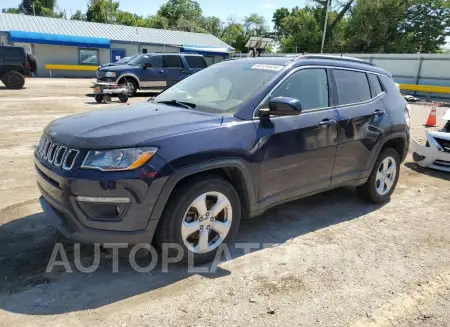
{"type": "Point", "coordinates": [330, 260]}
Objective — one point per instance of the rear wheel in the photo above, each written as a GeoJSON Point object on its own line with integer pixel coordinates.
{"type": "Point", "coordinates": [383, 179]}
{"type": "Point", "coordinates": [13, 80]}
{"type": "Point", "coordinates": [131, 86]}
{"type": "Point", "coordinates": [200, 217]}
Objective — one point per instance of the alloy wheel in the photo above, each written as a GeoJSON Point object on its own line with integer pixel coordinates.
{"type": "Point", "coordinates": [385, 177]}
{"type": "Point", "coordinates": [206, 222]}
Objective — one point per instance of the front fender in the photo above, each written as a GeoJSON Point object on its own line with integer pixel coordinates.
{"type": "Point", "coordinates": [129, 75]}
{"type": "Point", "coordinates": [176, 177]}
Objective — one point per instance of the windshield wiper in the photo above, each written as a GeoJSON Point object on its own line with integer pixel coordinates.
{"type": "Point", "coordinates": [187, 105]}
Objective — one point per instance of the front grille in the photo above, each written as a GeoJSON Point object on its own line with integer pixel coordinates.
{"type": "Point", "coordinates": [56, 154]}
{"type": "Point", "coordinates": [445, 144]}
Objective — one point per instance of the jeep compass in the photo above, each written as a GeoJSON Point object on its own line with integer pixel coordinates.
{"type": "Point", "coordinates": [222, 145]}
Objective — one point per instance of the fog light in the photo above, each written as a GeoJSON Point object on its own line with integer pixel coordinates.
{"type": "Point", "coordinates": [418, 157]}
{"type": "Point", "coordinates": [100, 199]}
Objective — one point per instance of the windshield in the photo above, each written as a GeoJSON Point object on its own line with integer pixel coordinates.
{"type": "Point", "coordinates": [221, 88]}
{"type": "Point", "coordinates": [139, 59]}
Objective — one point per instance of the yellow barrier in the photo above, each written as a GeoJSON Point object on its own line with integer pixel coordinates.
{"type": "Point", "coordinates": [425, 88]}
{"type": "Point", "coordinates": [70, 67]}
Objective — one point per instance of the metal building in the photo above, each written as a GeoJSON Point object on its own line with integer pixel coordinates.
{"type": "Point", "coordinates": [85, 45]}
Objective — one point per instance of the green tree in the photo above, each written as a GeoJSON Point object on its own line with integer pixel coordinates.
{"type": "Point", "coordinates": [102, 11]}
{"type": "Point", "coordinates": [45, 8]}
{"type": "Point", "coordinates": [212, 25]}
{"type": "Point", "coordinates": [78, 15]}
{"type": "Point", "coordinates": [174, 10]}
{"type": "Point", "coordinates": [278, 17]}
{"type": "Point", "coordinates": [234, 35]}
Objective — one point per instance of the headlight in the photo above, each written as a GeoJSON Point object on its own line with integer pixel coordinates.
{"type": "Point", "coordinates": [118, 160]}
{"type": "Point", "coordinates": [110, 74]}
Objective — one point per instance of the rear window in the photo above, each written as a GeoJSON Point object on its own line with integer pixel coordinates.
{"type": "Point", "coordinates": [196, 61]}
{"type": "Point", "coordinates": [352, 87]}
{"type": "Point", "coordinates": [13, 54]}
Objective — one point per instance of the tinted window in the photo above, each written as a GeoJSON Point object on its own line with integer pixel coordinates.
{"type": "Point", "coordinates": [376, 86]}
{"type": "Point", "coordinates": [13, 54]}
{"type": "Point", "coordinates": [352, 86]}
{"type": "Point", "coordinates": [172, 62]}
{"type": "Point", "coordinates": [309, 86]}
{"type": "Point", "coordinates": [196, 61]}
{"type": "Point", "coordinates": [156, 61]}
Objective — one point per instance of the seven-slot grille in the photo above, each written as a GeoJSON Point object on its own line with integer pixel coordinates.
{"type": "Point", "coordinates": [56, 154]}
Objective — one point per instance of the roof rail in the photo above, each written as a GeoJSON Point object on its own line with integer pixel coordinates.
{"type": "Point", "coordinates": [343, 58]}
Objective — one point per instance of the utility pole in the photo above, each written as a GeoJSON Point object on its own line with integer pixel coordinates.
{"type": "Point", "coordinates": [34, 11]}
{"type": "Point", "coordinates": [325, 26]}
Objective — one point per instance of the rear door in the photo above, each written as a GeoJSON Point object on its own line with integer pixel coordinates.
{"type": "Point", "coordinates": [363, 120]}
{"type": "Point", "coordinates": [175, 70]}
{"type": "Point", "coordinates": [297, 153]}
{"type": "Point", "coordinates": [153, 74]}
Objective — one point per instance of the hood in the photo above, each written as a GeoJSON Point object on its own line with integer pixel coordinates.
{"type": "Point", "coordinates": [127, 126]}
{"type": "Point", "coordinates": [119, 67]}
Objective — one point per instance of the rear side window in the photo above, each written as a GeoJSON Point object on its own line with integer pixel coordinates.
{"type": "Point", "coordinates": [172, 62]}
{"type": "Point", "coordinates": [196, 61]}
{"type": "Point", "coordinates": [352, 87]}
{"type": "Point", "coordinates": [309, 86]}
{"type": "Point", "coordinates": [13, 54]}
{"type": "Point", "coordinates": [376, 86]}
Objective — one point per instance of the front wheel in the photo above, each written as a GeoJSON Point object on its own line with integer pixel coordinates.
{"type": "Point", "coordinates": [383, 179]}
{"type": "Point", "coordinates": [130, 85]}
{"type": "Point", "coordinates": [202, 215]}
{"type": "Point", "coordinates": [13, 80]}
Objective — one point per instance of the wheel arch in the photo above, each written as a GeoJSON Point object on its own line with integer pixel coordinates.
{"type": "Point", "coordinates": [129, 75]}
{"type": "Point", "coordinates": [234, 170]}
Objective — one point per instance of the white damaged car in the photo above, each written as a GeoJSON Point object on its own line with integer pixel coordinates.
{"type": "Point", "coordinates": [435, 153]}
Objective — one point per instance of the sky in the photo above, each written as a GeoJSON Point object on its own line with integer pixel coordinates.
{"type": "Point", "coordinates": [222, 9]}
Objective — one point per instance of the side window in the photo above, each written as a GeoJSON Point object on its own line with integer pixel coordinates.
{"type": "Point", "coordinates": [352, 86]}
{"type": "Point", "coordinates": [376, 86]}
{"type": "Point", "coordinates": [309, 86]}
{"type": "Point", "coordinates": [13, 54]}
{"type": "Point", "coordinates": [156, 61]}
{"type": "Point", "coordinates": [196, 61]}
{"type": "Point", "coordinates": [172, 62]}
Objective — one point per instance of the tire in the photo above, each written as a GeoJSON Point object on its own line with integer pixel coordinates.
{"type": "Point", "coordinates": [13, 80]}
{"type": "Point", "coordinates": [131, 85]}
{"type": "Point", "coordinates": [376, 189]}
{"type": "Point", "coordinates": [180, 211]}
{"type": "Point", "coordinates": [123, 98]}
{"type": "Point", "coordinates": [99, 98]}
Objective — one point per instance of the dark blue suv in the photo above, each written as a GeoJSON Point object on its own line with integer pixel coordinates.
{"type": "Point", "coordinates": [223, 145]}
{"type": "Point", "coordinates": [152, 71]}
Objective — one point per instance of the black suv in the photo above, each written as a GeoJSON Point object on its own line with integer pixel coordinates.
{"type": "Point", "coordinates": [223, 145]}
{"type": "Point", "coordinates": [15, 65]}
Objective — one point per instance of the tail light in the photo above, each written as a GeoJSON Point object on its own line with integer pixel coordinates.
{"type": "Point", "coordinates": [27, 65]}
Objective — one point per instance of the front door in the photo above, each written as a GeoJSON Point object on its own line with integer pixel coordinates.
{"type": "Point", "coordinates": [363, 120]}
{"type": "Point", "coordinates": [117, 54]}
{"type": "Point", "coordinates": [296, 153]}
{"type": "Point", "coordinates": [175, 69]}
{"type": "Point", "coordinates": [153, 75]}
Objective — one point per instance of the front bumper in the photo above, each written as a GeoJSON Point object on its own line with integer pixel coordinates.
{"type": "Point", "coordinates": [434, 155]}
{"type": "Point", "coordinates": [133, 224]}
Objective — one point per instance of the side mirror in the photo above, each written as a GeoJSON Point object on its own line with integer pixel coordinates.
{"type": "Point", "coordinates": [282, 106]}
{"type": "Point", "coordinates": [147, 66]}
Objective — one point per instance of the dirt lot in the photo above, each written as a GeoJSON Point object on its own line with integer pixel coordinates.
{"type": "Point", "coordinates": [335, 261]}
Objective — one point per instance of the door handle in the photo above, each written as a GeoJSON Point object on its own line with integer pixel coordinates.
{"type": "Point", "coordinates": [327, 122]}
{"type": "Point", "coordinates": [379, 112]}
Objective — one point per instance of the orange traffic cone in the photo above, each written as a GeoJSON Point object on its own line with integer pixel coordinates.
{"type": "Point", "coordinates": [431, 122]}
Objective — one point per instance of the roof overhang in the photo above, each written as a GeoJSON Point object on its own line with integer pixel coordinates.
{"type": "Point", "coordinates": [59, 39]}
{"type": "Point", "coordinates": [211, 51]}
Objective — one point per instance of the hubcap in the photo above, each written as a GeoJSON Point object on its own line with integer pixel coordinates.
{"type": "Point", "coordinates": [386, 176]}
{"type": "Point", "coordinates": [206, 222]}
{"type": "Point", "coordinates": [129, 86]}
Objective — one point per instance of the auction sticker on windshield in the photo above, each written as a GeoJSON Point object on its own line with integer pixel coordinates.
{"type": "Point", "coordinates": [268, 67]}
